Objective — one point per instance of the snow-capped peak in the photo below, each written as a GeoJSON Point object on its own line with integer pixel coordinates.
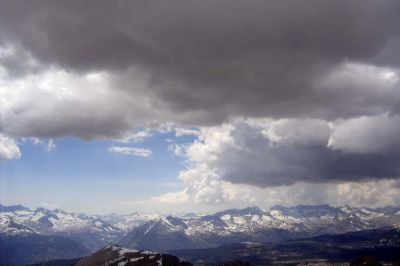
{"type": "Point", "coordinates": [9, 227]}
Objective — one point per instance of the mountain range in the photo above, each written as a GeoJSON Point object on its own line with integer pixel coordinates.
{"type": "Point", "coordinates": [86, 233]}
{"type": "Point", "coordinates": [90, 230]}
{"type": "Point", "coordinates": [253, 224]}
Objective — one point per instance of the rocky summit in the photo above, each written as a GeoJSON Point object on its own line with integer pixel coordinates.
{"type": "Point", "coordinates": [119, 256]}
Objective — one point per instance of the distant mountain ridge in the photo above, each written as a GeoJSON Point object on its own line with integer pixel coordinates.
{"type": "Point", "coordinates": [12, 208]}
{"type": "Point", "coordinates": [154, 231]}
{"type": "Point", "coordinates": [91, 230]}
{"type": "Point", "coordinates": [277, 224]}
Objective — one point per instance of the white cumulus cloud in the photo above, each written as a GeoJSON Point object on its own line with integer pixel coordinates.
{"type": "Point", "coordinates": [291, 160]}
{"type": "Point", "coordinates": [8, 148]}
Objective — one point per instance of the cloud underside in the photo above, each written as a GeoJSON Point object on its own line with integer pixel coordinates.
{"type": "Point", "coordinates": [275, 94]}
{"type": "Point", "coordinates": [102, 67]}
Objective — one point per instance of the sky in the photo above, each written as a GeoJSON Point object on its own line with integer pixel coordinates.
{"type": "Point", "coordinates": [122, 106]}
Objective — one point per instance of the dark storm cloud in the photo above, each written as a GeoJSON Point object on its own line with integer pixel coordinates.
{"type": "Point", "coordinates": [256, 160]}
{"type": "Point", "coordinates": [98, 68]}
{"type": "Point", "coordinates": [216, 59]}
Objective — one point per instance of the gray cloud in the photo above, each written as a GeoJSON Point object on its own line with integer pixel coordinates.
{"type": "Point", "coordinates": [255, 159]}
{"type": "Point", "coordinates": [270, 153]}
{"type": "Point", "coordinates": [288, 161]}
{"type": "Point", "coordinates": [97, 69]}
{"type": "Point", "coordinates": [367, 135]}
{"type": "Point", "coordinates": [55, 103]}
{"type": "Point", "coordinates": [218, 59]}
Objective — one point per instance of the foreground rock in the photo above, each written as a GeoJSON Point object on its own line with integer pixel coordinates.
{"type": "Point", "coordinates": [119, 256]}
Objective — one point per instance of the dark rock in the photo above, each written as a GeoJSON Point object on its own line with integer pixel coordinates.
{"type": "Point", "coordinates": [365, 261]}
